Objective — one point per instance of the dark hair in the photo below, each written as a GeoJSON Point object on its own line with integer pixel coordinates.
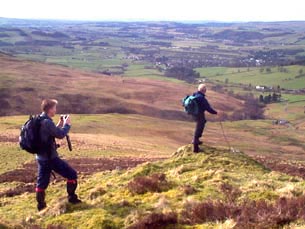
{"type": "Point", "coordinates": [48, 104]}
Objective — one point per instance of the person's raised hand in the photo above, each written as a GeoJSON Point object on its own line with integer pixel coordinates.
{"type": "Point", "coordinates": [68, 120]}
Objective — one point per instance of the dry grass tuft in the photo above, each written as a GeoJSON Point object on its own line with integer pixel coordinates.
{"type": "Point", "coordinates": [156, 220]}
{"type": "Point", "coordinates": [97, 192]}
{"type": "Point", "coordinates": [154, 183]}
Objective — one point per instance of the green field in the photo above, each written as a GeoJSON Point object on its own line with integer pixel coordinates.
{"type": "Point", "coordinates": [139, 70]}
{"type": "Point", "coordinates": [255, 77]}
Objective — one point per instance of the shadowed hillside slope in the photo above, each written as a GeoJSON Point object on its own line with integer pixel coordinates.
{"type": "Point", "coordinates": [24, 83]}
{"type": "Point", "coordinates": [213, 189]}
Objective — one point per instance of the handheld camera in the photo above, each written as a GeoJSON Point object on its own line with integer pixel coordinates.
{"type": "Point", "coordinates": [64, 117]}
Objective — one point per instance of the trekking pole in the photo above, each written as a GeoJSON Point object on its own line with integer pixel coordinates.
{"type": "Point", "coordinates": [225, 137]}
{"type": "Point", "coordinates": [69, 142]}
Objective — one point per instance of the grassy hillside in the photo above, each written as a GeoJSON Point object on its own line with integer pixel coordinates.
{"type": "Point", "coordinates": [112, 142]}
{"type": "Point", "coordinates": [24, 83]}
{"type": "Point", "coordinates": [99, 136]}
{"type": "Point", "coordinates": [214, 189]}
{"type": "Point", "coordinates": [291, 109]}
{"type": "Point", "coordinates": [136, 136]}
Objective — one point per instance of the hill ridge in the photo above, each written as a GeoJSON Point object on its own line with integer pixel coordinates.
{"type": "Point", "coordinates": [27, 82]}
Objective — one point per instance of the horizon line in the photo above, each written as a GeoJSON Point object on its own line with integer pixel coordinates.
{"type": "Point", "coordinates": [150, 20]}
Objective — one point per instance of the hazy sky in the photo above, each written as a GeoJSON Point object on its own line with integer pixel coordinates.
{"type": "Point", "coordinates": [219, 10]}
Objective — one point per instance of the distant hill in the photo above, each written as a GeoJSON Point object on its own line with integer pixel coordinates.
{"type": "Point", "coordinates": [24, 83]}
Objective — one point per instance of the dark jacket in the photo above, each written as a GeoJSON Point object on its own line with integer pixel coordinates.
{"type": "Point", "coordinates": [203, 104]}
{"type": "Point", "coordinates": [48, 132]}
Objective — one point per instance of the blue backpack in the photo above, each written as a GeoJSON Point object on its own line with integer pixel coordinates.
{"type": "Point", "coordinates": [29, 139]}
{"type": "Point", "coordinates": [190, 105]}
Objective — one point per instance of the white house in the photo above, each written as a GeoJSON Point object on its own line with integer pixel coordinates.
{"type": "Point", "coordinates": [260, 88]}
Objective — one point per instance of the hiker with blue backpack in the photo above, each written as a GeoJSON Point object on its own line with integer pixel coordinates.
{"type": "Point", "coordinates": [196, 105]}
{"type": "Point", "coordinates": [38, 137]}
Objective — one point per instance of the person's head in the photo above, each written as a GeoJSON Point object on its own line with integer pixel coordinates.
{"type": "Point", "coordinates": [48, 106]}
{"type": "Point", "coordinates": [202, 88]}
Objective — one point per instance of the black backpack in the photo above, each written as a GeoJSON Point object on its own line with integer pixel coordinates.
{"type": "Point", "coordinates": [29, 139]}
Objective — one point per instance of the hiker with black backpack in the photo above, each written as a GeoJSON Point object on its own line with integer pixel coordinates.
{"type": "Point", "coordinates": [196, 105]}
{"type": "Point", "coordinates": [38, 137]}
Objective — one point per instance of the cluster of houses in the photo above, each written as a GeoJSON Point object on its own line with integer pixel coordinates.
{"type": "Point", "coordinates": [132, 57]}
{"type": "Point", "coordinates": [280, 122]}
{"type": "Point", "coordinates": [283, 90]}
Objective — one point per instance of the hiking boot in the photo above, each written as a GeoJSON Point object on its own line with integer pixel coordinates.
{"type": "Point", "coordinates": [199, 151]}
{"type": "Point", "coordinates": [74, 199]}
{"type": "Point", "coordinates": [196, 148]}
{"type": "Point", "coordinates": [71, 187]}
{"type": "Point", "coordinates": [41, 206]}
{"type": "Point", "coordinates": [40, 197]}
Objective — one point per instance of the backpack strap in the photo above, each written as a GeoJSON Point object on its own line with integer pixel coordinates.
{"type": "Point", "coordinates": [47, 149]}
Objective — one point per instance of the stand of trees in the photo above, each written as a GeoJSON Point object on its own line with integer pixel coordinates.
{"type": "Point", "coordinates": [274, 98]}
{"type": "Point", "coordinates": [182, 73]}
